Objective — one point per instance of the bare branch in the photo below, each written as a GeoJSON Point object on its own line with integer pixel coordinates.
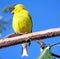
{"type": "Point", "coordinates": [33, 36]}
{"type": "Point", "coordinates": [43, 45]}
{"type": "Point", "coordinates": [58, 43]}
{"type": "Point", "coordinates": [56, 55]}
{"type": "Point", "coordinates": [13, 39]}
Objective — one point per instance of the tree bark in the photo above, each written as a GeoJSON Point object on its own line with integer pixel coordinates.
{"type": "Point", "coordinates": [31, 36]}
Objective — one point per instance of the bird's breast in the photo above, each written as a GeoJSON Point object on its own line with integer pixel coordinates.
{"type": "Point", "coordinates": [21, 24]}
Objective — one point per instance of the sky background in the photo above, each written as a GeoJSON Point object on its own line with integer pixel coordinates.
{"type": "Point", "coordinates": [45, 15]}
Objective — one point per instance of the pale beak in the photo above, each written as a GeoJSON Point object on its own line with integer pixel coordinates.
{"type": "Point", "coordinates": [12, 12]}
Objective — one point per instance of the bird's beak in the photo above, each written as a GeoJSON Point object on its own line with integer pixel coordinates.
{"type": "Point", "coordinates": [12, 12]}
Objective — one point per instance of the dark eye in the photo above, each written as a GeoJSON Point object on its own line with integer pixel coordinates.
{"type": "Point", "coordinates": [13, 8]}
{"type": "Point", "coordinates": [23, 8]}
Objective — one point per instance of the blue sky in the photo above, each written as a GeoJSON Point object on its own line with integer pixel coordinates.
{"type": "Point", "coordinates": [45, 15]}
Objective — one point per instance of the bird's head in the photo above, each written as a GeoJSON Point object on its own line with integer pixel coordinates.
{"type": "Point", "coordinates": [17, 8]}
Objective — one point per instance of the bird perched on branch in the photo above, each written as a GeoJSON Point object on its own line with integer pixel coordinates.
{"type": "Point", "coordinates": [22, 23]}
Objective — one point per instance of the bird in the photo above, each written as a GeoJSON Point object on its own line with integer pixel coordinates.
{"type": "Point", "coordinates": [22, 23]}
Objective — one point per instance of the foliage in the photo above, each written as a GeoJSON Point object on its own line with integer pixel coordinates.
{"type": "Point", "coordinates": [8, 8]}
{"type": "Point", "coordinates": [4, 24]}
{"type": "Point", "coordinates": [46, 54]}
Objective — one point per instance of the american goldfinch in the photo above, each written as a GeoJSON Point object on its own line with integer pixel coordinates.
{"type": "Point", "coordinates": [22, 23]}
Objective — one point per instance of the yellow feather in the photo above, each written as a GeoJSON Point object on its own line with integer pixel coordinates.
{"type": "Point", "coordinates": [22, 23]}
{"type": "Point", "coordinates": [21, 20]}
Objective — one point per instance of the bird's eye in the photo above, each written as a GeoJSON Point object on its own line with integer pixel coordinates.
{"type": "Point", "coordinates": [23, 8]}
{"type": "Point", "coordinates": [13, 8]}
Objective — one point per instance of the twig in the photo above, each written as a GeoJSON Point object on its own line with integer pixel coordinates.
{"type": "Point", "coordinates": [56, 55]}
{"type": "Point", "coordinates": [43, 45]}
{"type": "Point", "coordinates": [54, 44]}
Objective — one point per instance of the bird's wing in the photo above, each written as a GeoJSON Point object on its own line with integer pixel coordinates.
{"type": "Point", "coordinates": [31, 21]}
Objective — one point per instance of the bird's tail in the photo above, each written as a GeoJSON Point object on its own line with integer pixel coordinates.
{"type": "Point", "coordinates": [24, 49]}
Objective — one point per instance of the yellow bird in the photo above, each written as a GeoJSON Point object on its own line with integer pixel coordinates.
{"type": "Point", "coordinates": [22, 23]}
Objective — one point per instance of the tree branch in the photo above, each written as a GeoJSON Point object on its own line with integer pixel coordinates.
{"type": "Point", "coordinates": [58, 43]}
{"type": "Point", "coordinates": [13, 39]}
{"type": "Point", "coordinates": [33, 36]}
{"type": "Point", "coordinates": [43, 45]}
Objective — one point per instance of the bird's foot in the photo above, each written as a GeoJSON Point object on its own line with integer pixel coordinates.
{"type": "Point", "coordinates": [29, 41]}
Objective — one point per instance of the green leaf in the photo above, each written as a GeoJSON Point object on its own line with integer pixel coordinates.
{"type": "Point", "coordinates": [8, 8]}
{"type": "Point", "coordinates": [46, 54]}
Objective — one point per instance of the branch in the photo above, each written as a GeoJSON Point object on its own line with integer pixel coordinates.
{"type": "Point", "coordinates": [43, 45]}
{"type": "Point", "coordinates": [56, 55]}
{"type": "Point", "coordinates": [33, 36]}
{"type": "Point", "coordinates": [58, 43]}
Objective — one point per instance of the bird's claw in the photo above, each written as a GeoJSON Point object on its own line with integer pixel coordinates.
{"type": "Point", "coordinates": [29, 41]}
